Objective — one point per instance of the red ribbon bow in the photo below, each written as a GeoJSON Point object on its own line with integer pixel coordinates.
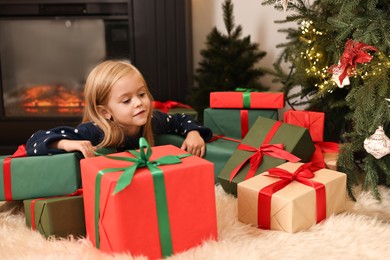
{"type": "Point", "coordinates": [165, 106]}
{"type": "Point", "coordinates": [303, 175]}
{"type": "Point", "coordinates": [354, 53]}
{"type": "Point", "coordinates": [274, 150]}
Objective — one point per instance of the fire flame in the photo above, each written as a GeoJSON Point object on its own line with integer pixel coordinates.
{"type": "Point", "coordinates": [52, 98]}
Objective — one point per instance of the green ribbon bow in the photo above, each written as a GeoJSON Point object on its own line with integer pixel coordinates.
{"type": "Point", "coordinates": [142, 160]}
{"type": "Point", "coordinates": [246, 95]}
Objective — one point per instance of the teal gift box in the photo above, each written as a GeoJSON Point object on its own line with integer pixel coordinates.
{"type": "Point", "coordinates": [217, 152]}
{"type": "Point", "coordinates": [295, 140]}
{"type": "Point", "coordinates": [39, 176]}
{"type": "Point", "coordinates": [59, 216]}
{"type": "Point", "coordinates": [234, 122]}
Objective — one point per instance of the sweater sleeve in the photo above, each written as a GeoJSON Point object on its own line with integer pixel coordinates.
{"type": "Point", "coordinates": [179, 124]}
{"type": "Point", "coordinates": [39, 143]}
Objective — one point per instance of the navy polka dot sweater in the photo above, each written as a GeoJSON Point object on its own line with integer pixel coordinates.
{"type": "Point", "coordinates": [162, 123]}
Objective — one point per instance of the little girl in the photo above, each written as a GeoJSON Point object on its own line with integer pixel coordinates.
{"type": "Point", "coordinates": [118, 111]}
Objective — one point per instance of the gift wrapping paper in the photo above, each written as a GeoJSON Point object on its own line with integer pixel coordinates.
{"type": "Point", "coordinates": [128, 220]}
{"type": "Point", "coordinates": [237, 99]}
{"type": "Point", "coordinates": [294, 139]}
{"type": "Point", "coordinates": [40, 176]}
{"type": "Point", "coordinates": [234, 123]}
{"type": "Point", "coordinates": [293, 208]}
{"type": "Point", "coordinates": [59, 216]}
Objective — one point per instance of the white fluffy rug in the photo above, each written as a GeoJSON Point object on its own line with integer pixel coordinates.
{"type": "Point", "coordinates": [362, 232]}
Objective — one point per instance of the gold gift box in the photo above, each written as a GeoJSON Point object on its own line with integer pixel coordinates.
{"type": "Point", "coordinates": [293, 208]}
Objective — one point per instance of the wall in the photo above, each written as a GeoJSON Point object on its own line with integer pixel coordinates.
{"type": "Point", "coordinates": [257, 20]}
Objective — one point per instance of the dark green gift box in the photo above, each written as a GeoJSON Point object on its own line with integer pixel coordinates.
{"type": "Point", "coordinates": [228, 121]}
{"type": "Point", "coordinates": [181, 110]}
{"type": "Point", "coordinates": [59, 217]}
{"type": "Point", "coordinates": [295, 139]}
{"type": "Point", "coordinates": [41, 176]}
{"type": "Point", "coordinates": [217, 152]}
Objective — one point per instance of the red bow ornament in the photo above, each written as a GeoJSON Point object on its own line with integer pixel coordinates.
{"type": "Point", "coordinates": [354, 53]}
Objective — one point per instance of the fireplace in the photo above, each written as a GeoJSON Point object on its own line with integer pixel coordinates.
{"type": "Point", "coordinates": [48, 47]}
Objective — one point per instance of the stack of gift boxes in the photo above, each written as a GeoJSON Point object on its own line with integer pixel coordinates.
{"type": "Point", "coordinates": [49, 187]}
{"type": "Point", "coordinates": [158, 201]}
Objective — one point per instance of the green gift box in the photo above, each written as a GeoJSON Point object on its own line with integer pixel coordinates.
{"type": "Point", "coordinates": [217, 152]}
{"type": "Point", "coordinates": [186, 111]}
{"type": "Point", "coordinates": [39, 176]}
{"type": "Point", "coordinates": [234, 122]}
{"type": "Point", "coordinates": [296, 140]}
{"type": "Point", "coordinates": [59, 217]}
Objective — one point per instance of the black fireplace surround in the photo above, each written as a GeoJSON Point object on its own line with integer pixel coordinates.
{"type": "Point", "coordinates": [155, 35]}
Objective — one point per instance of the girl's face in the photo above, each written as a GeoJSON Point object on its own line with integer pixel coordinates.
{"type": "Point", "coordinates": [128, 104]}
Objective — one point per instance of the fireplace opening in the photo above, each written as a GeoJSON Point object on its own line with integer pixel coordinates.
{"type": "Point", "coordinates": [47, 49]}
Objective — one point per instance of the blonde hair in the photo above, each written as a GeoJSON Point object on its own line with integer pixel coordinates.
{"type": "Point", "coordinates": [97, 91]}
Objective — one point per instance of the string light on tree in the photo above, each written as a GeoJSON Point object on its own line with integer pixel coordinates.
{"type": "Point", "coordinates": [311, 36]}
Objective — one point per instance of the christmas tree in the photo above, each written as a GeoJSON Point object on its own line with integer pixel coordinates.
{"type": "Point", "coordinates": [228, 62]}
{"type": "Point", "coordinates": [340, 65]}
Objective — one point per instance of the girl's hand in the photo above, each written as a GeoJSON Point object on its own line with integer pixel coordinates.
{"type": "Point", "coordinates": [194, 144]}
{"type": "Point", "coordinates": [85, 147]}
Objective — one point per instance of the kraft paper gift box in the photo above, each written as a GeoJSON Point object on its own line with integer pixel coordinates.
{"type": "Point", "coordinates": [168, 211]}
{"type": "Point", "coordinates": [39, 176]}
{"type": "Point", "coordinates": [237, 99]}
{"type": "Point", "coordinates": [294, 207]}
{"type": "Point", "coordinates": [173, 107]}
{"type": "Point", "coordinates": [59, 217]}
{"type": "Point", "coordinates": [265, 134]}
{"type": "Point", "coordinates": [313, 121]}
{"type": "Point", "coordinates": [217, 151]}
{"type": "Point", "coordinates": [234, 122]}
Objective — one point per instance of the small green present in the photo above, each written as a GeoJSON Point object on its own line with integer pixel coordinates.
{"type": "Point", "coordinates": [294, 139]}
{"type": "Point", "coordinates": [59, 217]}
{"type": "Point", "coordinates": [217, 151]}
{"type": "Point", "coordinates": [234, 122]}
{"type": "Point", "coordinates": [39, 176]}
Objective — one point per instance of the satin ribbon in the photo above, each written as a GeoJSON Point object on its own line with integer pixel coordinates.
{"type": "Point", "coordinates": [303, 175]}
{"type": "Point", "coordinates": [32, 205]}
{"type": "Point", "coordinates": [244, 118]}
{"type": "Point", "coordinates": [317, 159]}
{"type": "Point", "coordinates": [246, 96]}
{"type": "Point", "coordinates": [165, 106]}
{"type": "Point", "coordinates": [142, 160]}
{"type": "Point", "coordinates": [20, 152]}
{"type": "Point", "coordinates": [273, 150]}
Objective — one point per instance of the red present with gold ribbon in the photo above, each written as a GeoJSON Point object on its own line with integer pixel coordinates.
{"type": "Point", "coordinates": [291, 197]}
{"type": "Point", "coordinates": [313, 121]}
{"type": "Point", "coordinates": [246, 99]}
{"type": "Point", "coordinates": [153, 202]}
{"type": "Point", "coordinates": [174, 107]}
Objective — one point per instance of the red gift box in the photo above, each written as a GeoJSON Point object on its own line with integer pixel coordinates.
{"type": "Point", "coordinates": [313, 121]}
{"type": "Point", "coordinates": [128, 220]}
{"type": "Point", "coordinates": [247, 100]}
